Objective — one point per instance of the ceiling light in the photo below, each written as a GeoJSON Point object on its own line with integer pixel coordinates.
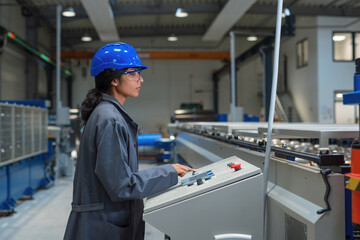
{"type": "Point", "coordinates": [339, 95]}
{"type": "Point", "coordinates": [338, 38]}
{"type": "Point", "coordinates": [252, 38]}
{"type": "Point", "coordinates": [287, 12]}
{"type": "Point", "coordinates": [172, 38]}
{"type": "Point", "coordinates": [69, 12]}
{"type": "Point", "coordinates": [86, 38]}
{"type": "Point", "coordinates": [180, 12]}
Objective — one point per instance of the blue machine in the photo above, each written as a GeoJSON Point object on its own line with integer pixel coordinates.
{"type": "Point", "coordinates": [221, 117]}
{"type": "Point", "coordinates": [350, 99]}
{"type": "Point", "coordinates": [354, 97]}
{"type": "Point", "coordinates": [148, 139]}
{"type": "Point", "coordinates": [155, 140]}
{"type": "Point", "coordinates": [26, 150]}
{"type": "Point", "coordinates": [249, 118]}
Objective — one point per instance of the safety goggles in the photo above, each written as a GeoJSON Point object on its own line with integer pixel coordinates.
{"type": "Point", "coordinates": [134, 75]}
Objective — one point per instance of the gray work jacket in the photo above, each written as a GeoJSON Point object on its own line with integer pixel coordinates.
{"type": "Point", "coordinates": [108, 188]}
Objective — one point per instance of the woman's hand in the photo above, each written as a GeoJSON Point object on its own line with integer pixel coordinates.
{"type": "Point", "coordinates": [182, 169]}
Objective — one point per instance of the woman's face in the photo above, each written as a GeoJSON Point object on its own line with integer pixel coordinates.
{"type": "Point", "coordinates": [130, 83]}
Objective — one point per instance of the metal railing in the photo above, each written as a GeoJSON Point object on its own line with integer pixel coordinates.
{"type": "Point", "coordinates": [280, 110]}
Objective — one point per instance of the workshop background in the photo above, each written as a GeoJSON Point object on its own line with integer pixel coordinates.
{"type": "Point", "coordinates": [186, 46]}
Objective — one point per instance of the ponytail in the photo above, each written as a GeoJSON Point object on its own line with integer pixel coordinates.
{"type": "Point", "coordinates": [102, 85]}
{"type": "Point", "coordinates": [92, 99]}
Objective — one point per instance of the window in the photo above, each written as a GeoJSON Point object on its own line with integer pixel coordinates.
{"type": "Point", "coordinates": [344, 114]}
{"type": "Point", "coordinates": [343, 46]}
{"type": "Point", "coordinates": [357, 45]}
{"type": "Point", "coordinates": [346, 46]}
{"type": "Point", "coordinates": [302, 53]}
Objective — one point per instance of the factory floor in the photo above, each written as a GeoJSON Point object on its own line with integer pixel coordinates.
{"type": "Point", "coordinates": [45, 216]}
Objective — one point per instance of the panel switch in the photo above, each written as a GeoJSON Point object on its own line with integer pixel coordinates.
{"type": "Point", "coordinates": [237, 167]}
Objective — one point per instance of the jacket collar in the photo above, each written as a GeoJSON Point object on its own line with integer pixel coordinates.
{"type": "Point", "coordinates": [107, 97]}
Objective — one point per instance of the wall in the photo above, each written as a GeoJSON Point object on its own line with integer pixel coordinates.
{"type": "Point", "coordinates": [224, 94]}
{"type": "Point", "coordinates": [332, 75]}
{"type": "Point", "coordinates": [249, 81]}
{"type": "Point", "coordinates": [250, 86]}
{"type": "Point", "coordinates": [82, 82]}
{"type": "Point", "coordinates": [167, 84]}
{"type": "Point", "coordinates": [45, 44]}
{"type": "Point", "coordinates": [302, 82]}
{"type": "Point", "coordinates": [12, 60]}
{"type": "Point", "coordinates": [312, 87]}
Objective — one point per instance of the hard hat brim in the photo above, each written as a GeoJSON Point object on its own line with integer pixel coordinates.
{"type": "Point", "coordinates": [102, 67]}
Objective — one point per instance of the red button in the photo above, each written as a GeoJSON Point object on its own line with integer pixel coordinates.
{"type": "Point", "coordinates": [232, 165]}
{"type": "Point", "coordinates": [237, 167]}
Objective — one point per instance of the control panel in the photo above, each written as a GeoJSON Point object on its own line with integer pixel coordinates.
{"type": "Point", "coordinates": [223, 197]}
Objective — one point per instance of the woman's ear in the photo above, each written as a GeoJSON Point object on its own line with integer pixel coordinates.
{"type": "Point", "coordinates": [115, 82]}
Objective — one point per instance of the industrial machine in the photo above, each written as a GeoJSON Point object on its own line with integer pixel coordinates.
{"type": "Point", "coordinates": [153, 145]}
{"type": "Point", "coordinates": [185, 115]}
{"type": "Point", "coordinates": [197, 207]}
{"type": "Point", "coordinates": [353, 178]}
{"type": "Point", "coordinates": [65, 128]}
{"type": "Point", "coordinates": [305, 195]}
{"type": "Point", "coordinates": [26, 153]}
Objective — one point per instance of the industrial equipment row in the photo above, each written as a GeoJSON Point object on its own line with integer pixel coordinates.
{"type": "Point", "coordinates": [306, 195]}
{"type": "Point", "coordinates": [26, 152]}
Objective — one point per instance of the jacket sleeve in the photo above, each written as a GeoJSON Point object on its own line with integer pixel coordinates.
{"type": "Point", "coordinates": [115, 174]}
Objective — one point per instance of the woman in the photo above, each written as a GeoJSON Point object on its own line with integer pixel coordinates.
{"type": "Point", "coordinates": [108, 188]}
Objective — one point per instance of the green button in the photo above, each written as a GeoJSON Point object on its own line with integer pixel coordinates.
{"type": "Point", "coordinates": [229, 163]}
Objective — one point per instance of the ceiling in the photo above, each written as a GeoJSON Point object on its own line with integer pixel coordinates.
{"type": "Point", "coordinates": [148, 23]}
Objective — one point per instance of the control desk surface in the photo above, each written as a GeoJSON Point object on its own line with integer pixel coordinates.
{"type": "Point", "coordinates": [223, 175]}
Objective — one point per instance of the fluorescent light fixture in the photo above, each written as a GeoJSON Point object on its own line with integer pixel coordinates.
{"type": "Point", "coordinates": [338, 38]}
{"type": "Point", "coordinates": [172, 38]}
{"type": "Point", "coordinates": [69, 12]}
{"type": "Point", "coordinates": [86, 38]}
{"type": "Point", "coordinates": [252, 38]}
{"type": "Point", "coordinates": [339, 95]}
{"type": "Point", "coordinates": [74, 110]}
{"type": "Point", "coordinates": [287, 12]}
{"type": "Point", "coordinates": [180, 12]}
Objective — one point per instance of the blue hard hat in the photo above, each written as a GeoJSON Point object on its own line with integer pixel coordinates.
{"type": "Point", "coordinates": [115, 55]}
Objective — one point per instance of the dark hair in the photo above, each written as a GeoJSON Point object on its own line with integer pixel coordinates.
{"type": "Point", "coordinates": [94, 96]}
